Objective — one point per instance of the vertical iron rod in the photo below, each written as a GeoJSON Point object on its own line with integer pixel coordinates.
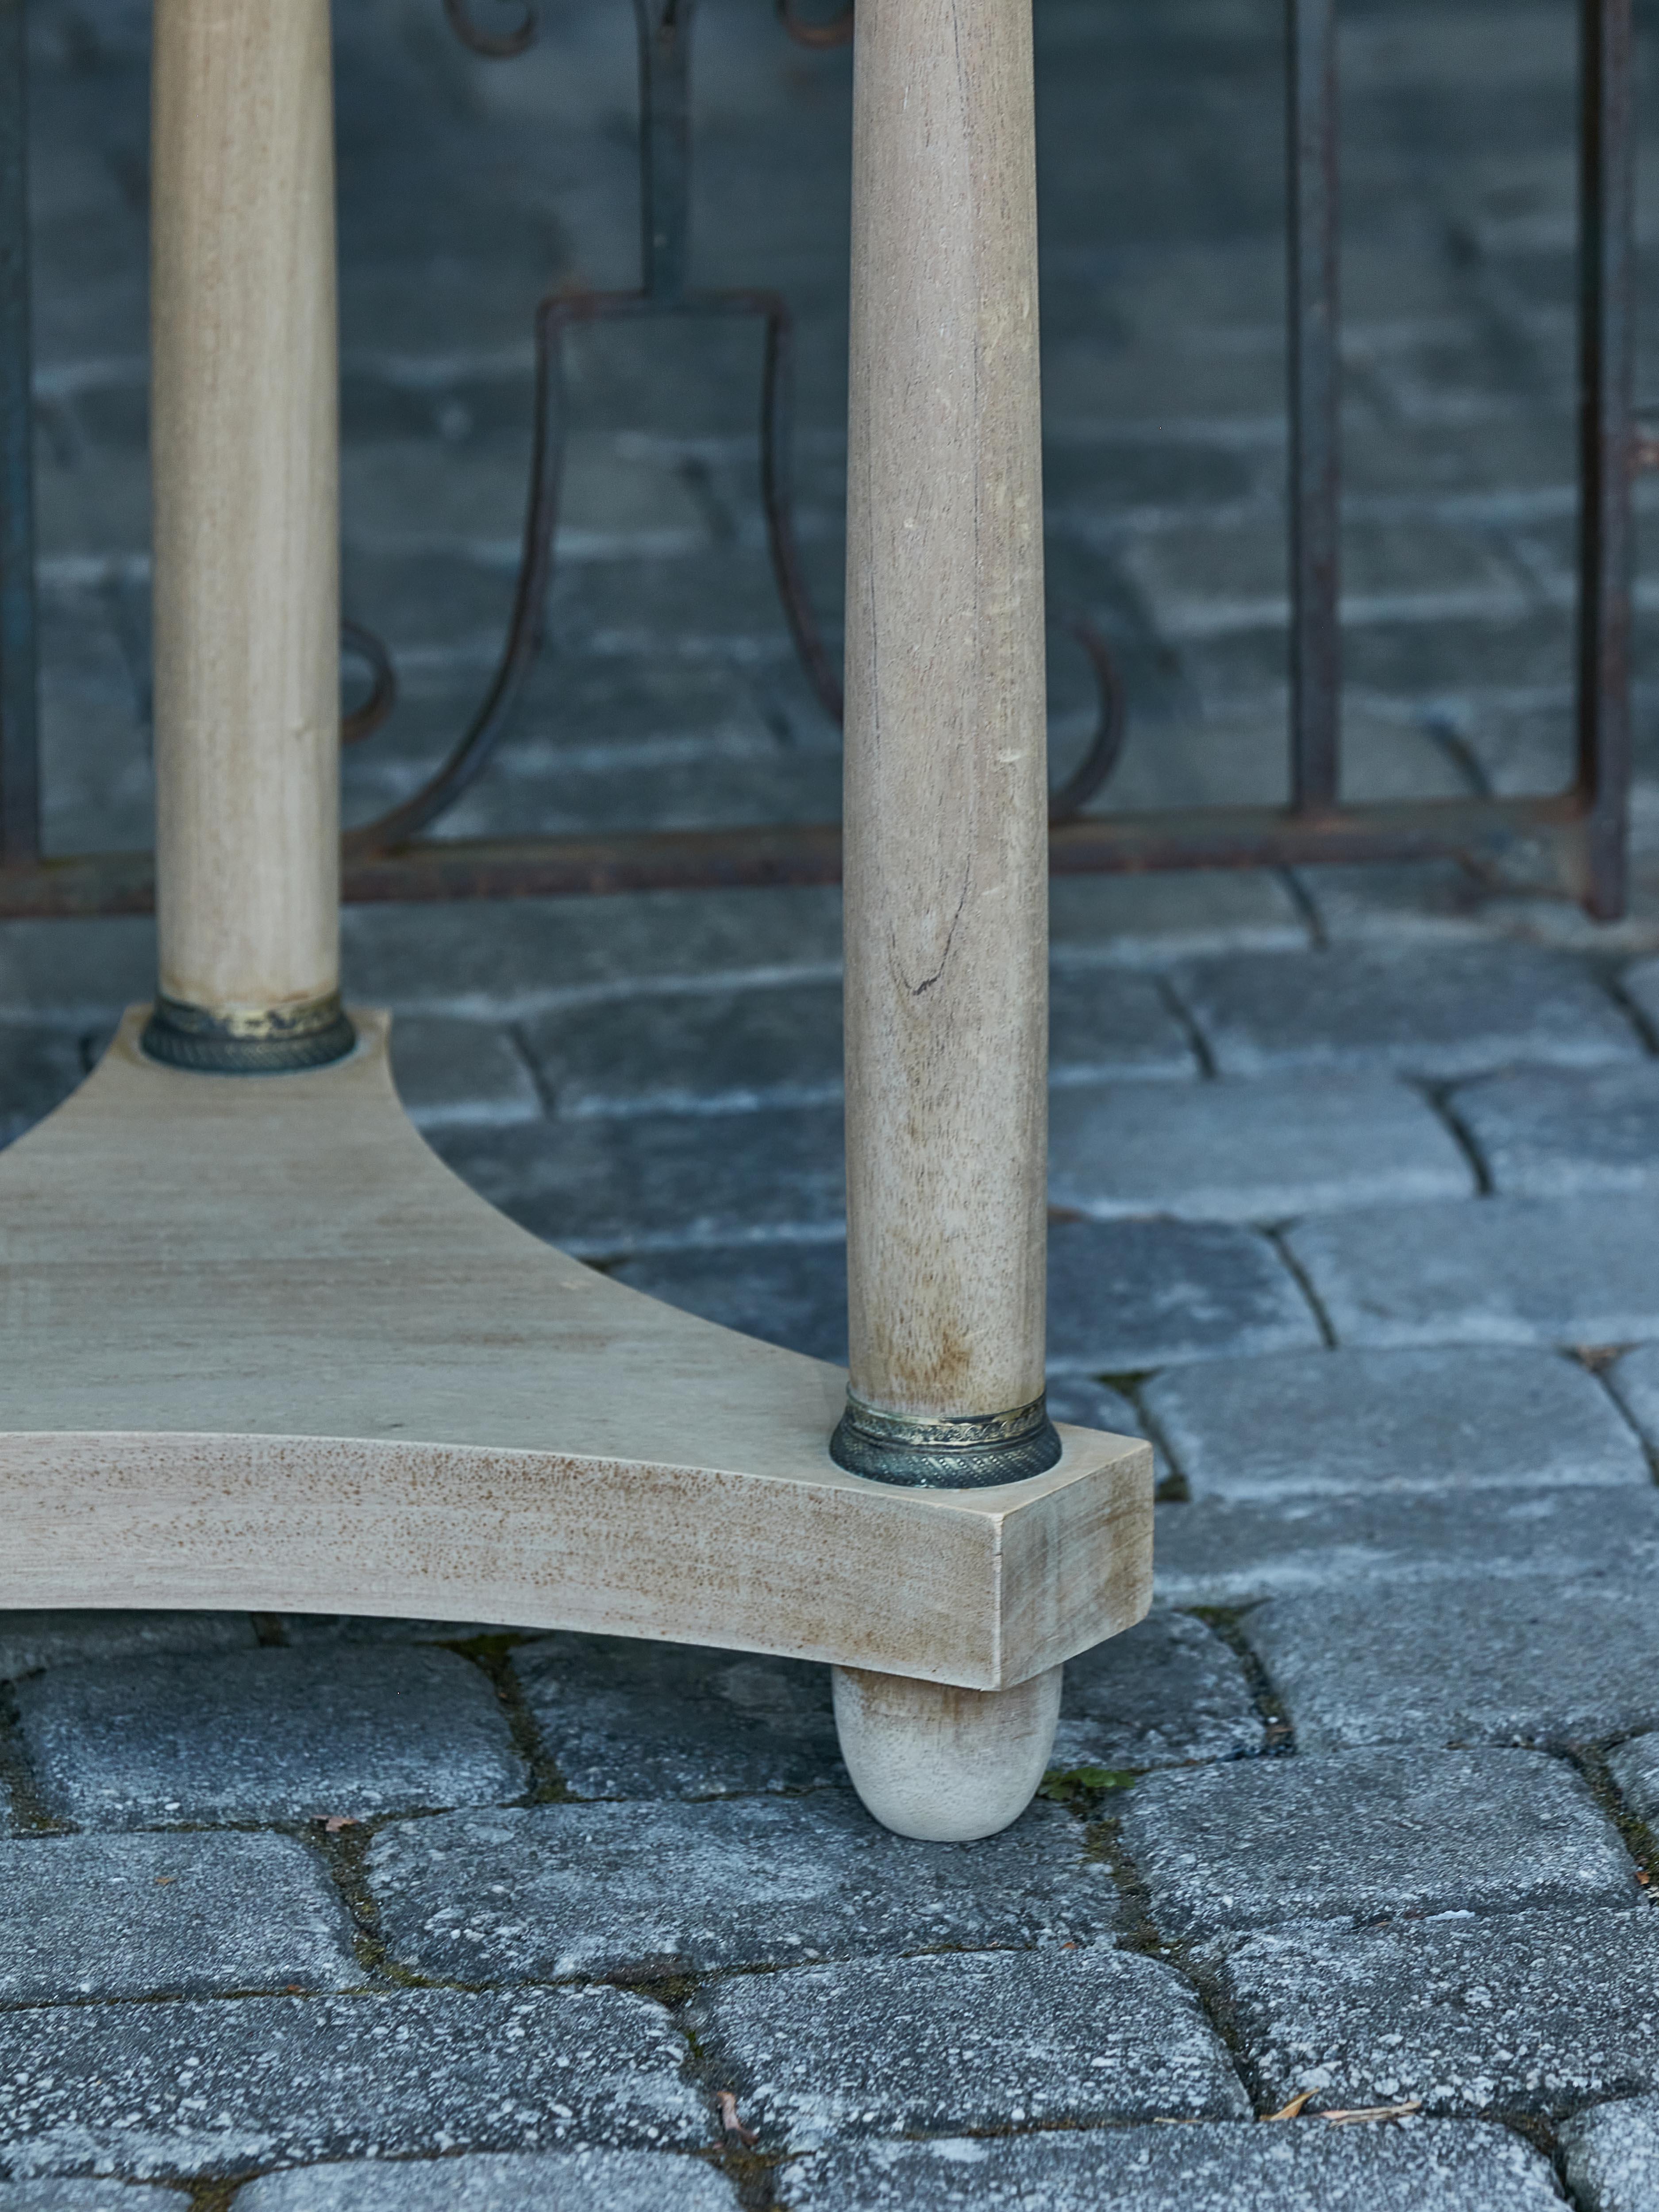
{"type": "Point", "coordinates": [1315, 406]}
{"type": "Point", "coordinates": [20, 768]}
{"type": "Point", "coordinates": [1606, 279]}
{"type": "Point", "coordinates": [665, 29]}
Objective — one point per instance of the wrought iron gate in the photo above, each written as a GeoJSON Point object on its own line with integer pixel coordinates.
{"type": "Point", "coordinates": [1583, 828]}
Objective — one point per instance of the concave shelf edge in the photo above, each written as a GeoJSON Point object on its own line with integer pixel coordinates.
{"type": "Point", "coordinates": [263, 1350]}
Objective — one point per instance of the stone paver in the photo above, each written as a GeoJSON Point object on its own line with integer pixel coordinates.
{"type": "Point", "coordinates": [1124, 1296]}
{"type": "Point", "coordinates": [266, 1735]}
{"type": "Point", "coordinates": [1523, 2012]}
{"type": "Point", "coordinates": [1474, 1661]}
{"type": "Point", "coordinates": [1436, 2166]}
{"type": "Point", "coordinates": [1430, 1419]}
{"type": "Point", "coordinates": [1635, 1767]}
{"type": "Point", "coordinates": [1221, 1554]}
{"type": "Point", "coordinates": [1091, 1405]}
{"type": "Point", "coordinates": [790, 1294]}
{"type": "Point", "coordinates": [625, 1718]}
{"type": "Point", "coordinates": [1558, 1133]}
{"type": "Point", "coordinates": [1147, 921]}
{"type": "Point", "coordinates": [796, 1295]}
{"type": "Point", "coordinates": [39, 1068]}
{"type": "Point", "coordinates": [1612, 2155]}
{"type": "Point", "coordinates": [555, 2181]}
{"type": "Point", "coordinates": [452, 1074]}
{"type": "Point", "coordinates": [692, 1051]}
{"type": "Point", "coordinates": [54, 2195]}
{"type": "Point", "coordinates": [1635, 1382]}
{"type": "Point", "coordinates": [48, 1638]}
{"type": "Point", "coordinates": [138, 1915]}
{"type": "Point", "coordinates": [513, 961]}
{"type": "Point", "coordinates": [519, 959]}
{"type": "Point", "coordinates": [955, 2041]}
{"type": "Point", "coordinates": [157, 2090]}
{"type": "Point", "coordinates": [1364, 1833]}
{"type": "Point", "coordinates": [1110, 1023]}
{"type": "Point", "coordinates": [1640, 984]}
{"type": "Point", "coordinates": [1505, 1271]}
{"type": "Point", "coordinates": [649, 1182]}
{"type": "Point", "coordinates": [1441, 1010]}
{"type": "Point", "coordinates": [632, 1893]}
{"type": "Point", "coordinates": [725, 1051]}
{"type": "Point", "coordinates": [78, 974]}
{"type": "Point", "coordinates": [1255, 1152]}
{"type": "Point", "coordinates": [1416, 903]}
{"type": "Point", "coordinates": [1161, 1693]}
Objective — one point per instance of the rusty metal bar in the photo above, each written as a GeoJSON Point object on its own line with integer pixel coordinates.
{"type": "Point", "coordinates": [1607, 451]}
{"type": "Point", "coordinates": [493, 45]}
{"type": "Point", "coordinates": [778, 499]}
{"type": "Point", "coordinates": [1315, 406]}
{"type": "Point", "coordinates": [665, 29]}
{"type": "Point", "coordinates": [555, 316]}
{"type": "Point", "coordinates": [823, 32]}
{"type": "Point", "coordinates": [20, 763]}
{"type": "Point", "coordinates": [1473, 829]}
{"type": "Point", "coordinates": [810, 853]}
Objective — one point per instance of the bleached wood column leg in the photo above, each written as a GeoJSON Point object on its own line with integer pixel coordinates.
{"type": "Point", "coordinates": [946, 859]}
{"type": "Point", "coordinates": [943, 1764]}
{"type": "Point", "coordinates": [247, 562]}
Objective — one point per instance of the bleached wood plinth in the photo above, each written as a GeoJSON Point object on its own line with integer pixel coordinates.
{"type": "Point", "coordinates": [262, 1350]}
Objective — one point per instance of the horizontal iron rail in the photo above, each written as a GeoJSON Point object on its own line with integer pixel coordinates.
{"type": "Point", "coordinates": [1476, 831]}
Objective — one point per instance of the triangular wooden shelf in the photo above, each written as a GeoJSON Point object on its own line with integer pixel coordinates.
{"type": "Point", "coordinates": [263, 1350]}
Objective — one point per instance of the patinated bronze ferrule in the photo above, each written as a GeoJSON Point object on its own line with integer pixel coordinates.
{"type": "Point", "coordinates": [971, 1451]}
{"type": "Point", "coordinates": [258, 1041]}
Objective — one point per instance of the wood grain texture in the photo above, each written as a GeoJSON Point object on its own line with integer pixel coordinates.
{"type": "Point", "coordinates": [945, 1765]}
{"type": "Point", "coordinates": [259, 1348]}
{"type": "Point", "coordinates": [946, 851]}
{"type": "Point", "coordinates": [246, 462]}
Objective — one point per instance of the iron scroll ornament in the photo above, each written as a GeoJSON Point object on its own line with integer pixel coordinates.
{"type": "Point", "coordinates": [664, 31]}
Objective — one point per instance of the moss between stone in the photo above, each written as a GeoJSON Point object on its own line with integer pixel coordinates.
{"type": "Point", "coordinates": [31, 1815]}
{"type": "Point", "coordinates": [1279, 1739]}
{"type": "Point", "coordinates": [1081, 1788]}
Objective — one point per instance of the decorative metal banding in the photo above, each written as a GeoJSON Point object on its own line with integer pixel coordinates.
{"type": "Point", "coordinates": [972, 1452]}
{"type": "Point", "coordinates": [270, 1041]}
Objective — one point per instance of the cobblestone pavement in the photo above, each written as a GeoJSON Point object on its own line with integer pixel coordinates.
{"type": "Point", "coordinates": [1356, 1179]}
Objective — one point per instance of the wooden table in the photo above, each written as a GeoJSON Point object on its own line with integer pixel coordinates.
{"type": "Point", "coordinates": [262, 1350]}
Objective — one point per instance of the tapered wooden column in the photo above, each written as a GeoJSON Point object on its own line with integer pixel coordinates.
{"type": "Point", "coordinates": [946, 866]}
{"type": "Point", "coordinates": [245, 441]}
{"type": "Point", "coordinates": [946, 829]}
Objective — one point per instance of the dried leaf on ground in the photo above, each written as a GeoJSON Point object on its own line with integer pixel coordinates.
{"type": "Point", "coordinates": [1293, 2110]}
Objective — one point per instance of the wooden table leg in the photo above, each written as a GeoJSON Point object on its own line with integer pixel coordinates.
{"type": "Point", "coordinates": [946, 879]}
{"type": "Point", "coordinates": [247, 537]}
{"type": "Point", "coordinates": [943, 1764]}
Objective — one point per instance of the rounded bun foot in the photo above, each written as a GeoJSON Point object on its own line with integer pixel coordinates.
{"type": "Point", "coordinates": [940, 1764]}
